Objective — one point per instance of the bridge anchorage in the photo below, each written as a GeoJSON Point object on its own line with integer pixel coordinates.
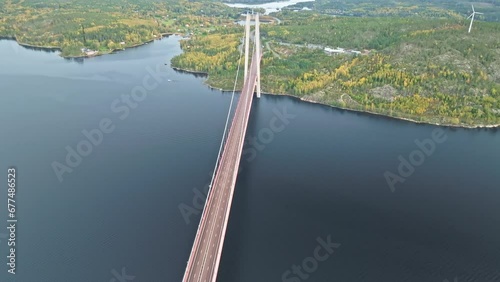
{"type": "Point", "coordinates": [204, 260]}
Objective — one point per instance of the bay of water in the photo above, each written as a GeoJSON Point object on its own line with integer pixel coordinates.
{"type": "Point", "coordinates": [322, 175]}
{"type": "Point", "coordinates": [269, 7]}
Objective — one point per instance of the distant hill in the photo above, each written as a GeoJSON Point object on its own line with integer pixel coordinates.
{"type": "Point", "coordinates": [434, 8]}
{"type": "Point", "coordinates": [415, 67]}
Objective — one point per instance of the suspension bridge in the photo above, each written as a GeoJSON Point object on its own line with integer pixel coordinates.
{"type": "Point", "coordinates": [206, 252]}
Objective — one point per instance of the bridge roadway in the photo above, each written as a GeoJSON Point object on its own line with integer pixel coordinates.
{"type": "Point", "coordinates": [205, 255]}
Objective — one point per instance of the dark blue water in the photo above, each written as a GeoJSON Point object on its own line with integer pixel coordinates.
{"type": "Point", "coordinates": [320, 175]}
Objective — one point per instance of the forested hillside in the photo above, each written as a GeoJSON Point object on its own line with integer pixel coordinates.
{"type": "Point", "coordinates": [402, 8]}
{"type": "Point", "coordinates": [423, 69]}
{"type": "Point", "coordinates": [414, 60]}
{"type": "Point", "coordinates": [105, 25]}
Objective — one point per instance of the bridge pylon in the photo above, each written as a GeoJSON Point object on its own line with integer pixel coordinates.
{"type": "Point", "coordinates": [258, 49]}
{"type": "Point", "coordinates": [247, 43]}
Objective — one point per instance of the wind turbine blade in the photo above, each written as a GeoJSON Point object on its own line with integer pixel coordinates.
{"type": "Point", "coordinates": [470, 16]}
{"type": "Point", "coordinates": [473, 8]}
{"type": "Point", "coordinates": [479, 13]}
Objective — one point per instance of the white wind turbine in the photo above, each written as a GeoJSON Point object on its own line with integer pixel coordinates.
{"type": "Point", "coordinates": [471, 17]}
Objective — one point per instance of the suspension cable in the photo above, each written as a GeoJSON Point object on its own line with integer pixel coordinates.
{"type": "Point", "coordinates": [227, 120]}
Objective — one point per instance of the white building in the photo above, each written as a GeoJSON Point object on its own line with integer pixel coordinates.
{"type": "Point", "coordinates": [334, 51]}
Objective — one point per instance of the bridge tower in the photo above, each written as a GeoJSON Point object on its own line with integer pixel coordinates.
{"type": "Point", "coordinates": [258, 48]}
{"type": "Point", "coordinates": [247, 43]}
{"type": "Point", "coordinates": [257, 51]}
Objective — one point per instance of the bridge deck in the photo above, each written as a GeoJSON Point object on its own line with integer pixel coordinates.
{"type": "Point", "coordinates": [205, 255]}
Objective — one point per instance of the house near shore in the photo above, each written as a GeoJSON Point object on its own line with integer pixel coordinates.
{"type": "Point", "coordinates": [89, 52]}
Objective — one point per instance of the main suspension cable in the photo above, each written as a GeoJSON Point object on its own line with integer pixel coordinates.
{"type": "Point", "coordinates": [227, 120]}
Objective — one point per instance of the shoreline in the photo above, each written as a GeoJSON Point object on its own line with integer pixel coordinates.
{"type": "Point", "coordinates": [206, 76]}
{"type": "Point", "coordinates": [55, 48]}
{"type": "Point", "coordinates": [190, 71]}
{"type": "Point", "coordinates": [464, 126]}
